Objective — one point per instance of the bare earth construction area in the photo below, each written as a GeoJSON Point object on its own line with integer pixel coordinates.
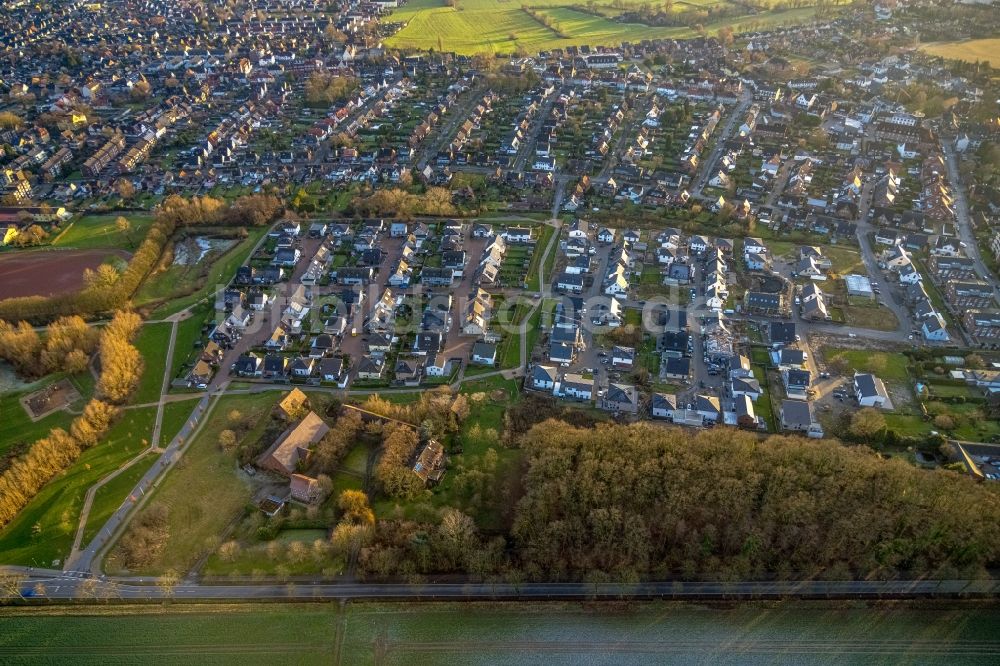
{"type": "Point", "coordinates": [47, 273]}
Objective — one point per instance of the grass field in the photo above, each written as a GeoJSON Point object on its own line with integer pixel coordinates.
{"type": "Point", "coordinates": [498, 26]}
{"type": "Point", "coordinates": [969, 50]}
{"type": "Point", "coordinates": [204, 492]}
{"type": "Point", "coordinates": [110, 496]}
{"type": "Point", "coordinates": [152, 343]}
{"type": "Point", "coordinates": [509, 633]}
{"type": "Point", "coordinates": [174, 416]}
{"type": "Point", "coordinates": [44, 529]}
{"type": "Point", "coordinates": [888, 366]}
{"type": "Point", "coordinates": [97, 231]}
{"type": "Point", "coordinates": [188, 333]}
{"type": "Point", "coordinates": [17, 429]}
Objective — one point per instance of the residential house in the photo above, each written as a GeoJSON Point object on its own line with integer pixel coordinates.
{"type": "Point", "coordinates": [798, 416]}
{"type": "Point", "coordinates": [543, 377]}
{"type": "Point", "coordinates": [623, 357]}
{"type": "Point", "coordinates": [371, 367]}
{"type": "Point", "coordinates": [620, 398]}
{"type": "Point", "coordinates": [870, 391]}
{"type": "Point", "coordinates": [574, 386]}
{"type": "Point", "coordinates": [431, 463]}
{"type": "Point", "coordinates": [747, 386]}
{"type": "Point", "coordinates": [484, 353]}
{"type": "Point", "coordinates": [709, 408]}
{"type": "Point", "coordinates": [663, 406]}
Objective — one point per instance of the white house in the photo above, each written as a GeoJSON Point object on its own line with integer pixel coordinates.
{"type": "Point", "coordinates": [574, 386]}
{"type": "Point", "coordinates": [543, 377]}
{"type": "Point", "coordinates": [663, 405]}
{"type": "Point", "coordinates": [934, 328]}
{"type": "Point", "coordinates": [870, 391]}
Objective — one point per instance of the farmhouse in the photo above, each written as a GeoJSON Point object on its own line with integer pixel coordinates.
{"type": "Point", "coordinates": [292, 448]}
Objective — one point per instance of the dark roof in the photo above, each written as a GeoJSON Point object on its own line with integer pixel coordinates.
{"type": "Point", "coordinates": [782, 332]}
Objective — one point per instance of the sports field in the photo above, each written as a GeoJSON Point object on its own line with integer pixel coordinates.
{"type": "Point", "coordinates": [969, 50]}
{"type": "Point", "coordinates": [502, 26]}
{"type": "Point", "coordinates": [521, 634]}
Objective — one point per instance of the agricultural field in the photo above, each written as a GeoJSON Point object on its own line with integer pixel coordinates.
{"type": "Point", "coordinates": [549, 633]}
{"type": "Point", "coordinates": [50, 272]}
{"type": "Point", "coordinates": [496, 26]}
{"type": "Point", "coordinates": [969, 50]}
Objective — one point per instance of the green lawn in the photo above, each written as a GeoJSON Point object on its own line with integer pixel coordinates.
{"type": "Point", "coordinates": [152, 343]}
{"type": "Point", "coordinates": [356, 460]}
{"type": "Point", "coordinates": [110, 496]}
{"type": "Point", "coordinates": [44, 529]}
{"type": "Point", "coordinates": [16, 428]}
{"type": "Point", "coordinates": [888, 366]}
{"type": "Point", "coordinates": [204, 493]}
{"type": "Point", "coordinates": [98, 231]}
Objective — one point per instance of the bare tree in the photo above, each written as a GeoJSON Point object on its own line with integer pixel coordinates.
{"type": "Point", "coordinates": [10, 584]}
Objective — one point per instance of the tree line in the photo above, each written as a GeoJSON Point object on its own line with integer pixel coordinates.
{"type": "Point", "coordinates": [396, 202]}
{"type": "Point", "coordinates": [121, 367]}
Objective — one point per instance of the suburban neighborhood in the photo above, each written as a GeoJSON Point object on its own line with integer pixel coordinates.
{"type": "Point", "coordinates": [288, 303]}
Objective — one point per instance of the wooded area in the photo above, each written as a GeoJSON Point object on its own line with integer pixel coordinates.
{"type": "Point", "coordinates": [626, 501]}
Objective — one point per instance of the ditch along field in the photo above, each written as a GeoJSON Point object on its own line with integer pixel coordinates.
{"type": "Point", "coordinates": [509, 633]}
{"type": "Point", "coordinates": [969, 50]}
{"type": "Point", "coordinates": [502, 26]}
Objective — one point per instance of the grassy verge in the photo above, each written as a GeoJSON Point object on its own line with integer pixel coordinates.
{"type": "Point", "coordinates": [544, 235]}
{"type": "Point", "coordinates": [110, 496]}
{"type": "Point", "coordinates": [188, 334]}
{"type": "Point", "coordinates": [152, 343]}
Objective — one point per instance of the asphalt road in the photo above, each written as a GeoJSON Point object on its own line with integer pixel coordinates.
{"type": "Point", "coordinates": [65, 586]}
